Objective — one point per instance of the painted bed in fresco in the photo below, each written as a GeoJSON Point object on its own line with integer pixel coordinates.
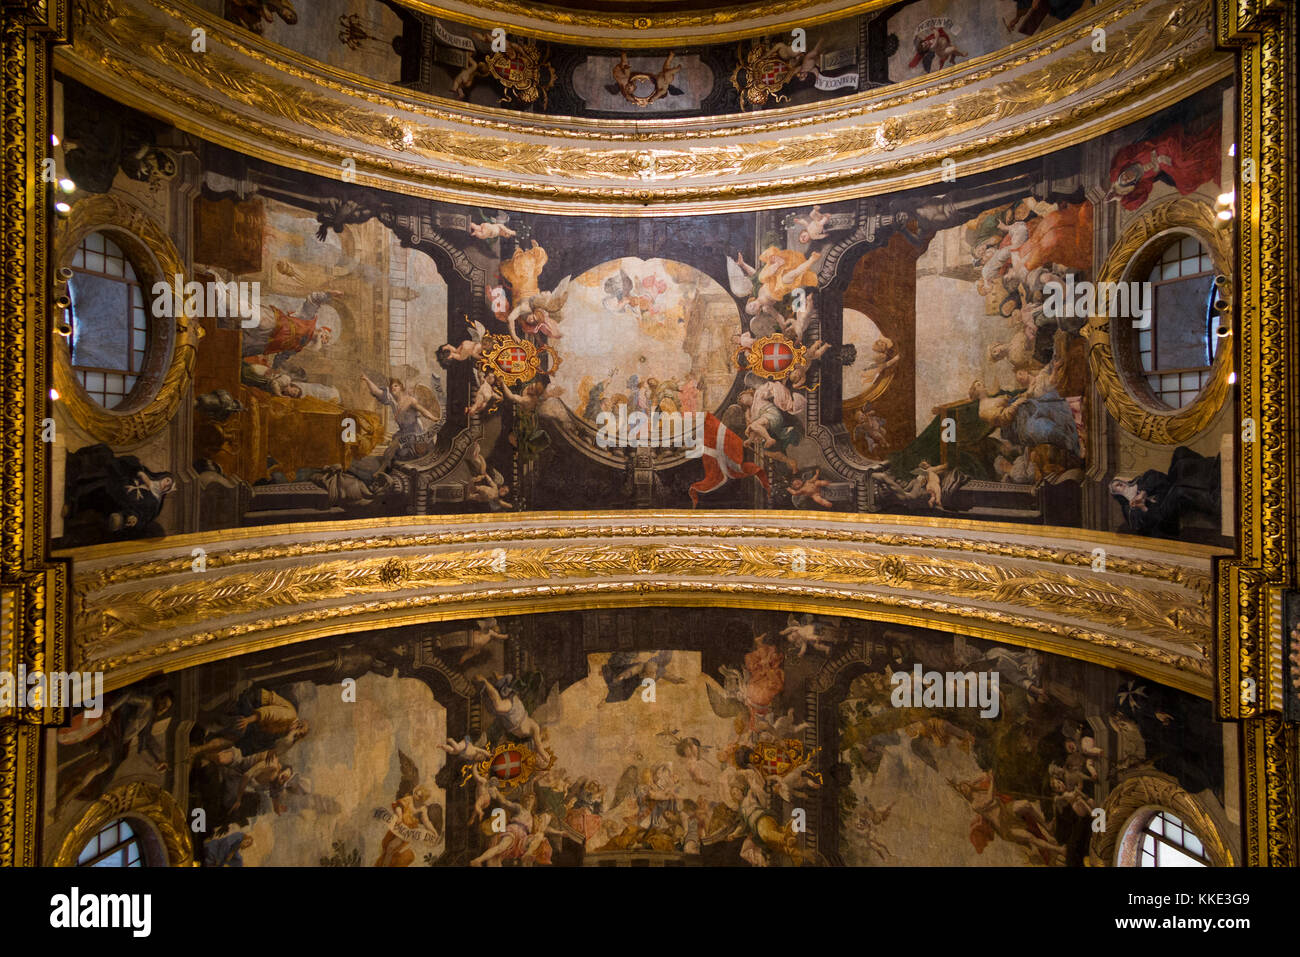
{"type": "Point", "coordinates": [640, 737]}
{"type": "Point", "coordinates": [893, 354]}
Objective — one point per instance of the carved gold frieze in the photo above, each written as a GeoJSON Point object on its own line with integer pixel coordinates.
{"type": "Point", "coordinates": [159, 612]}
{"type": "Point", "coordinates": [304, 118]}
{"type": "Point", "coordinates": [643, 26]}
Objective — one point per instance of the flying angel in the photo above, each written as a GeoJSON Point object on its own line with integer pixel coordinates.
{"type": "Point", "coordinates": [495, 227]}
{"type": "Point", "coordinates": [470, 348]}
{"type": "Point", "coordinates": [539, 314]}
{"type": "Point", "coordinates": [807, 632]}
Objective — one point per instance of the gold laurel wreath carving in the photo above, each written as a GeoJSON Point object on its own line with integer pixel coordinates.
{"type": "Point", "coordinates": [140, 800]}
{"type": "Point", "coordinates": [92, 578]}
{"type": "Point", "coordinates": [156, 259]}
{"type": "Point", "coordinates": [1173, 623]}
{"type": "Point", "coordinates": [1131, 259]}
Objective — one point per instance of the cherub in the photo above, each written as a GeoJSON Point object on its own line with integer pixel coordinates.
{"type": "Point", "coordinates": [803, 65]}
{"type": "Point", "coordinates": [814, 225]}
{"type": "Point", "coordinates": [412, 807]}
{"type": "Point", "coordinates": [869, 427]}
{"type": "Point", "coordinates": [665, 77]}
{"type": "Point", "coordinates": [783, 726]}
{"type": "Point", "coordinates": [489, 490]}
{"type": "Point", "coordinates": [470, 348]}
{"type": "Point", "coordinates": [866, 820]}
{"type": "Point", "coordinates": [534, 394]}
{"type": "Point", "coordinates": [798, 780]}
{"type": "Point", "coordinates": [933, 488]}
{"type": "Point", "coordinates": [463, 80]}
{"type": "Point", "coordinates": [809, 633]}
{"type": "Point", "coordinates": [487, 395]}
{"type": "Point", "coordinates": [467, 750]}
{"type": "Point", "coordinates": [809, 488]}
{"type": "Point", "coordinates": [485, 629]}
{"type": "Point", "coordinates": [504, 703]}
{"type": "Point", "coordinates": [494, 228]}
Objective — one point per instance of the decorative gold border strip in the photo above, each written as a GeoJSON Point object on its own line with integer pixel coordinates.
{"type": "Point", "coordinates": [36, 586]}
{"type": "Point", "coordinates": [643, 26]}
{"type": "Point", "coordinates": [415, 152]}
{"type": "Point", "coordinates": [1153, 615]}
{"type": "Point", "coordinates": [1264, 35]}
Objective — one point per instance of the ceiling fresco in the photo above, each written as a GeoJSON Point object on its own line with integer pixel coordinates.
{"type": "Point", "coordinates": [644, 737]}
{"type": "Point", "coordinates": [405, 45]}
{"type": "Point", "coordinates": [902, 355]}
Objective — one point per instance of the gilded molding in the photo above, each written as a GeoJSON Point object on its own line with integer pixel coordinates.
{"type": "Point", "coordinates": [640, 25]}
{"type": "Point", "coordinates": [1269, 398]}
{"type": "Point", "coordinates": [139, 800]}
{"type": "Point", "coordinates": [160, 613]}
{"type": "Point", "coordinates": [262, 109]}
{"type": "Point", "coordinates": [37, 628]}
{"type": "Point", "coordinates": [1130, 260]}
{"type": "Point", "coordinates": [1267, 334]}
{"type": "Point", "coordinates": [141, 560]}
{"type": "Point", "coordinates": [1270, 755]}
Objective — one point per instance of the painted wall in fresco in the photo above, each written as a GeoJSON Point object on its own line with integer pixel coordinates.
{"type": "Point", "coordinates": [386, 41]}
{"type": "Point", "coordinates": [893, 354]}
{"type": "Point", "coordinates": [670, 736]}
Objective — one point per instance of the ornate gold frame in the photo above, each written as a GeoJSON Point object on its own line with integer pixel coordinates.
{"type": "Point", "coordinates": [1132, 256]}
{"type": "Point", "coordinates": [140, 801]}
{"type": "Point", "coordinates": [150, 247]}
{"type": "Point", "coordinates": [1247, 586]}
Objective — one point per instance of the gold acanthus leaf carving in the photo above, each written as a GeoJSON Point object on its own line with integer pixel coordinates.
{"type": "Point", "coordinates": [1163, 615]}
{"type": "Point", "coordinates": [614, 525]}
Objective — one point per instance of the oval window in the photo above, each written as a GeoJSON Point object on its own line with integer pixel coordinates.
{"type": "Point", "coordinates": [111, 342]}
{"type": "Point", "coordinates": [1176, 351]}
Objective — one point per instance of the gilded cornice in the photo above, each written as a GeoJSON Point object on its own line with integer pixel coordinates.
{"type": "Point", "coordinates": [1143, 610]}
{"type": "Point", "coordinates": [640, 24]}
{"type": "Point", "coordinates": [288, 110]}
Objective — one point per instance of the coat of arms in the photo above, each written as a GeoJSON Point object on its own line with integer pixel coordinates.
{"type": "Point", "coordinates": [519, 71]}
{"type": "Point", "coordinates": [516, 360]}
{"type": "Point", "coordinates": [773, 357]}
{"type": "Point", "coordinates": [507, 766]}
